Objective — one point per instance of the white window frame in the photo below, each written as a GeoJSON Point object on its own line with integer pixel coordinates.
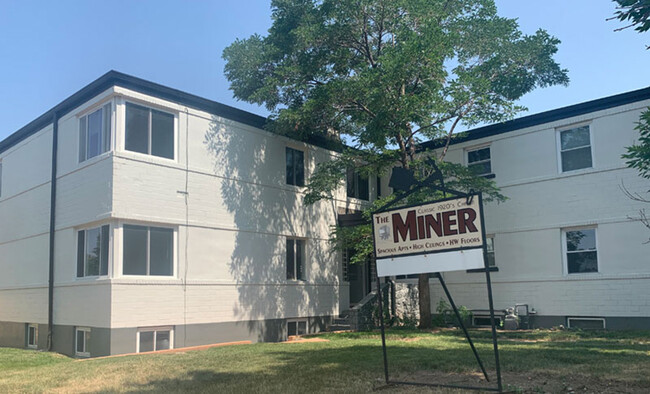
{"type": "Point", "coordinates": [111, 138]}
{"type": "Point", "coordinates": [151, 107]}
{"type": "Point", "coordinates": [109, 263]}
{"type": "Point", "coordinates": [565, 251]}
{"type": "Point", "coordinates": [474, 149]}
{"type": "Point", "coordinates": [35, 344]}
{"type": "Point", "coordinates": [558, 142]}
{"type": "Point", "coordinates": [494, 253]}
{"type": "Point", "coordinates": [295, 266]}
{"type": "Point", "coordinates": [298, 321]}
{"type": "Point", "coordinates": [155, 331]}
{"type": "Point", "coordinates": [119, 268]}
{"type": "Point", "coordinates": [304, 166]}
{"type": "Point", "coordinates": [85, 352]}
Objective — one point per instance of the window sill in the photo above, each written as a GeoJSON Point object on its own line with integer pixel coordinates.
{"type": "Point", "coordinates": [492, 269]}
{"type": "Point", "coordinates": [489, 176]}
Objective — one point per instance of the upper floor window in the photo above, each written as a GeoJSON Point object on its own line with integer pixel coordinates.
{"type": "Point", "coordinates": [479, 161]}
{"type": "Point", "coordinates": [0, 178]}
{"type": "Point", "coordinates": [295, 167]}
{"type": "Point", "coordinates": [575, 148]}
{"type": "Point", "coordinates": [357, 185]}
{"type": "Point", "coordinates": [295, 259]}
{"type": "Point", "coordinates": [581, 251]}
{"type": "Point", "coordinates": [149, 131]}
{"type": "Point", "coordinates": [95, 133]}
{"type": "Point", "coordinates": [92, 252]}
{"type": "Point", "coordinates": [148, 251]}
{"type": "Point", "coordinates": [489, 243]}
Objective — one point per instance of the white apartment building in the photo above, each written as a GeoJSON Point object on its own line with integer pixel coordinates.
{"type": "Point", "coordinates": [563, 243]}
{"type": "Point", "coordinates": [165, 220]}
{"type": "Point", "coordinates": [135, 217]}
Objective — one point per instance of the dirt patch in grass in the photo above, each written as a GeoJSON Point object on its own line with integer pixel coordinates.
{"type": "Point", "coordinates": [531, 383]}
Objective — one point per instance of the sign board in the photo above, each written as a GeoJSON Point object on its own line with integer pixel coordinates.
{"type": "Point", "coordinates": [439, 236]}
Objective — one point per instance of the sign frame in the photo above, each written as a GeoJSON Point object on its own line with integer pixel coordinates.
{"type": "Point", "coordinates": [499, 387]}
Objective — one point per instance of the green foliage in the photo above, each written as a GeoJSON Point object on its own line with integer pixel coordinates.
{"type": "Point", "coordinates": [638, 155]}
{"type": "Point", "coordinates": [443, 309]}
{"type": "Point", "coordinates": [637, 12]}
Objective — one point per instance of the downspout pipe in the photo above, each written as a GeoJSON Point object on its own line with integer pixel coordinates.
{"type": "Point", "coordinates": [50, 289]}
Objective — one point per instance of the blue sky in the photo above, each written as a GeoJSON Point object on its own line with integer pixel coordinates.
{"type": "Point", "coordinates": [51, 49]}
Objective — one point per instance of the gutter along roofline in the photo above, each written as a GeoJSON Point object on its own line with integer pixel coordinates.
{"type": "Point", "coordinates": [115, 78]}
{"type": "Point", "coordinates": [543, 117]}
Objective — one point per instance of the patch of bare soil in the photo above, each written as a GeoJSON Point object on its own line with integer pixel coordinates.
{"type": "Point", "coordinates": [534, 383]}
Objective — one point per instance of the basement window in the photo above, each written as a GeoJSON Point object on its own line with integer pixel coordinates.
{"type": "Point", "coordinates": [154, 339]}
{"type": "Point", "coordinates": [148, 251]}
{"type": "Point", "coordinates": [32, 336]}
{"type": "Point", "coordinates": [95, 133]}
{"type": "Point", "coordinates": [92, 252]}
{"type": "Point", "coordinates": [586, 323]}
{"type": "Point", "coordinates": [296, 327]}
{"type": "Point", "coordinates": [82, 341]}
{"type": "Point", "coordinates": [149, 131]}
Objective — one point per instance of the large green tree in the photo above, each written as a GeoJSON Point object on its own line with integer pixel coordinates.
{"type": "Point", "coordinates": [385, 75]}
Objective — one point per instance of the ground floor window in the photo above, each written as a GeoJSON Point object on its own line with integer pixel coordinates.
{"type": "Point", "coordinates": [148, 251]}
{"type": "Point", "coordinates": [295, 259]}
{"type": "Point", "coordinates": [154, 339]}
{"type": "Point", "coordinates": [82, 341]}
{"type": "Point", "coordinates": [32, 336]}
{"type": "Point", "coordinates": [296, 327]}
{"type": "Point", "coordinates": [581, 251]}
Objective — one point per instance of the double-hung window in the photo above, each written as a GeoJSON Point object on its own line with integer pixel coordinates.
{"type": "Point", "coordinates": [82, 341]}
{"type": "Point", "coordinates": [295, 167]}
{"type": "Point", "coordinates": [149, 131]}
{"type": "Point", "coordinates": [148, 251]}
{"type": "Point", "coordinates": [95, 133]}
{"type": "Point", "coordinates": [295, 259]}
{"type": "Point", "coordinates": [0, 178]}
{"type": "Point", "coordinates": [357, 185]}
{"type": "Point", "coordinates": [296, 327]}
{"type": "Point", "coordinates": [581, 251]}
{"type": "Point", "coordinates": [479, 161]}
{"type": "Point", "coordinates": [489, 243]}
{"type": "Point", "coordinates": [575, 148]}
{"type": "Point", "coordinates": [92, 252]}
{"type": "Point", "coordinates": [154, 339]}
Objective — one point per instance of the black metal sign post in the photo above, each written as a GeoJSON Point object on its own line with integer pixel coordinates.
{"type": "Point", "coordinates": [499, 387]}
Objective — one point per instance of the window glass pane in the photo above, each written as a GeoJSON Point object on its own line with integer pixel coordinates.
{"type": "Point", "coordinates": [103, 269]}
{"type": "Point", "coordinates": [581, 240]}
{"type": "Point", "coordinates": [137, 128]}
{"type": "Point", "coordinates": [576, 159]}
{"type": "Point", "coordinates": [574, 138]}
{"type": "Point", "coordinates": [106, 130]}
{"type": "Point", "coordinates": [291, 328]}
{"type": "Point", "coordinates": [364, 189]}
{"type": "Point", "coordinates": [161, 251]}
{"type": "Point", "coordinates": [93, 245]}
{"type": "Point", "coordinates": [94, 143]}
{"type": "Point", "coordinates": [31, 336]}
{"type": "Point", "coordinates": [162, 340]}
{"type": "Point", "coordinates": [300, 252]}
{"type": "Point", "coordinates": [378, 187]}
{"type": "Point", "coordinates": [162, 134]}
{"type": "Point", "coordinates": [81, 243]}
{"type": "Point", "coordinates": [302, 327]}
{"type": "Point", "coordinates": [135, 250]}
{"type": "Point", "coordinates": [290, 174]}
{"type": "Point", "coordinates": [146, 341]}
{"type": "Point", "coordinates": [290, 260]}
{"type": "Point", "coordinates": [82, 139]}
{"type": "Point", "coordinates": [582, 262]}
{"type": "Point", "coordinates": [351, 183]}
{"type": "Point", "coordinates": [478, 155]}
{"type": "Point", "coordinates": [87, 341]}
{"type": "Point", "coordinates": [299, 167]}
{"type": "Point", "coordinates": [481, 168]}
{"type": "Point", "coordinates": [81, 347]}
{"type": "Point", "coordinates": [490, 252]}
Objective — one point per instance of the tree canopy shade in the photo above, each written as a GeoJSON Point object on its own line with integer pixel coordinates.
{"type": "Point", "coordinates": [387, 75]}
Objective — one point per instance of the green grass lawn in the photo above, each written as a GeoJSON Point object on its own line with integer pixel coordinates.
{"type": "Point", "coordinates": [537, 361]}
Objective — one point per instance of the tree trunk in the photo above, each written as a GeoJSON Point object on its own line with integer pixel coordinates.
{"type": "Point", "coordinates": [424, 298]}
